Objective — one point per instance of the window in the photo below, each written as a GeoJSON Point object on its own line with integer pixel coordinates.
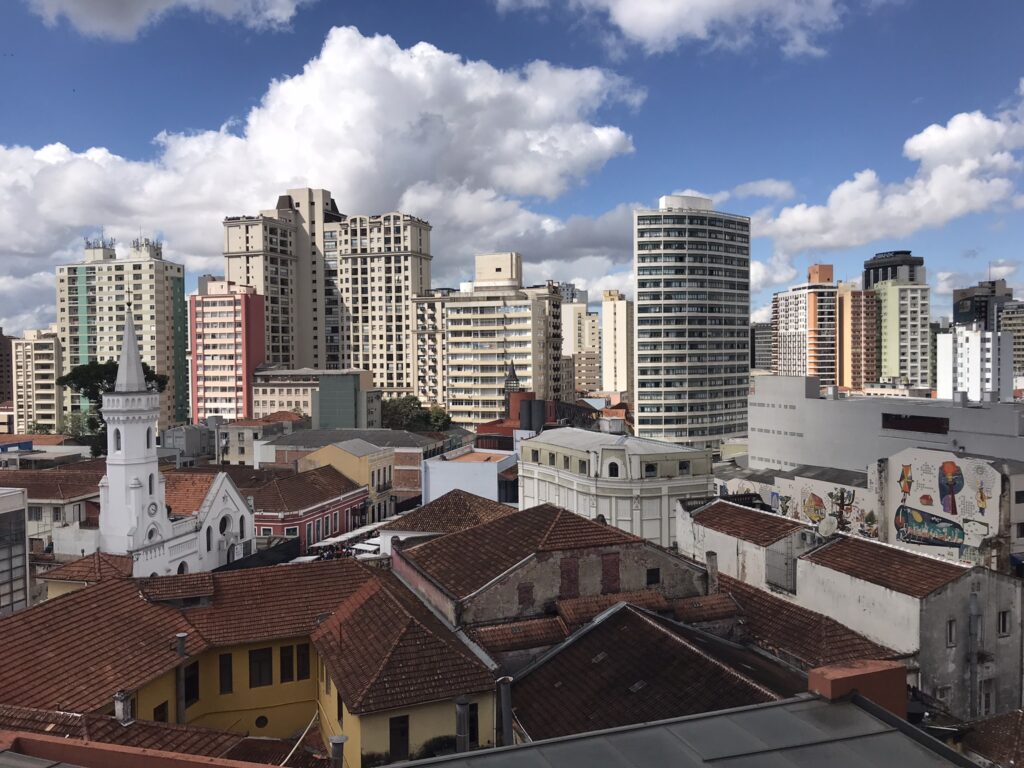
{"type": "Point", "coordinates": [1018, 497]}
{"type": "Point", "coordinates": [241, 526]}
{"type": "Point", "coordinates": [117, 440]}
{"type": "Point", "coordinates": [292, 531]}
{"type": "Point", "coordinates": [398, 738]}
{"type": "Point", "coordinates": [266, 531]}
{"type": "Point", "coordinates": [653, 576]}
{"type": "Point", "coordinates": [650, 470]}
{"type": "Point", "coordinates": [309, 534]}
{"type": "Point", "coordinates": [160, 713]}
{"type": "Point", "coordinates": [944, 693]}
{"type": "Point", "coordinates": [35, 514]}
{"type": "Point", "coordinates": [209, 538]}
{"type": "Point", "coordinates": [191, 683]}
{"type": "Point", "coordinates": [223, 526]}
{"type": "Point", "coordinates": [149, 437]}
{"type": "Point", "coordinates": [684, 467]}
{"type": "Point", "coordinates": [261, 667]}
{"type": "Point", "coordinates": [565, 462]}
{"type": "Point", "coordinates": [570, 578]}
{"type": "Point", "coordinates": [613, 469]}
{"type": "Point", "coordinates": [1020, 530]}
{"type": "Point", "coordinates": [226, 674]}
{"type": "Point", "coordinates": [287, 663]}
{"type": "Point", "coordinates": [986, 697]}
{"type": "Point", "coordinates": [951, 633]}
{"type": "Point", "coordinates": [150, 483]}
{"type": "Point", "coordinates": [609, 573]}
{"type": "Point", "coordinates": [551, 459]}
{"type": "Point", "coordinates": [302, 661]}
{"type": "Point", "coordinates": [1004, 623]}
{"type": "Point", "coordinates": [56, 512]}
{"type": "Point", "coordinates": [474, 726]}
{"type": "Point", "coordinates": [583, 468]}
{"type": "Point", "coordinates": [525, 593]}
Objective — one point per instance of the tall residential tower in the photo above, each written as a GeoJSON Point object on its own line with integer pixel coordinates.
{"type": "Point", "coordinates": [804, 327]}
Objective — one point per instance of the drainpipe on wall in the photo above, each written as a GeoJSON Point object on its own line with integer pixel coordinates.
{"type": "Point", "coordinates": [505, 710]}
{"type": "Point", "coordinates": [711, 563]}
{"type": "Point", "coordinates": [338, 751]}
{"type": "Point", "coordinates": [179, 678]}
{"type": "Point", "coordinates": [972, 654]}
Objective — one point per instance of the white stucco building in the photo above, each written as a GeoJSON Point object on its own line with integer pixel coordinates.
{"type": "Point", "coordinates": [972, 360]}
{"type": "Point", "coordinates": [627, 481]}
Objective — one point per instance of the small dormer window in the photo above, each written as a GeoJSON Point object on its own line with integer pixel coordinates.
{"type": "Point", "coordinates": [650, 470]}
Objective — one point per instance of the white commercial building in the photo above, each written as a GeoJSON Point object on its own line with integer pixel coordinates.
{"type": "Point", "coordinates": [36, 366]}
{"type": "Point", "coordinates": [489, 474]}
{"type": "Point", "coordinates": [625, 481]}
{"type": "Point", "coordinates": [94, 297]}
{"type": "Point", "coordinates": [692, 267]}
{"type": "Point", "coordinates": [977, 362]}
{"type": "Point", "coordinates": [617, 342]}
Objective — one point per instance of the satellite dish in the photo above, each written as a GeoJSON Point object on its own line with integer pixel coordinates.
{"type": "Point", "coordinates": [827, 526]}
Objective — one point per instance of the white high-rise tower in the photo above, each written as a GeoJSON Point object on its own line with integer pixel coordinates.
{"type": "Point", "coordinates": [132, 492]}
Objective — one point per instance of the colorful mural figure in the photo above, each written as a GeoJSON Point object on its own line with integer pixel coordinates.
{"type": "Point", "coordinates": [814, 507]}
{"type": "Point", "coordinates": [914, 526]}
{"type": "Point", "coordinates": [951, 482]}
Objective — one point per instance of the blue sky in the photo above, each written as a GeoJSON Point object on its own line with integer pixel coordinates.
{"type": "Point", "coordinates": [499, 153]}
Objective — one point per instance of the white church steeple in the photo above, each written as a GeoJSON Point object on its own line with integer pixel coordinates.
{"type": "Point", "coordinates": [132, 509]}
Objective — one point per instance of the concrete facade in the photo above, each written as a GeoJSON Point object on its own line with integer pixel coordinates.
{"type": "Point", "coordinates": [617, 329]}
{"type": "Point", "coordinates": [466, 469]}
{"type": "Point", "coordinates": [904, 317]}
{"type": "Point", "coordinates": [975, 361]}
{"type": "Point", "coordinates": [37, 363]}
{"type": "Point", "coordinates": [804, 327]}
{"type": "Point", "coordinates": [331, 399]}
{"type": "Point", "coordinates": [692, 267]}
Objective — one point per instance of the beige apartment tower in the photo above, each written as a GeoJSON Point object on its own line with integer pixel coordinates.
{"type": "Point", "coordinates": [338, 288]}
{"type": "Point", "coordinates": [581, 341]}
{"type": "Point", "coordinates": [804, 327]}
{"type": "Point", "coordinates": [93, 298]}
{"type": "Point", "coordinates": [856, 336]}
{"type": "Point", "coordinates": [36, 366]}
{"type": "Point", "coordinates": [617, 342]}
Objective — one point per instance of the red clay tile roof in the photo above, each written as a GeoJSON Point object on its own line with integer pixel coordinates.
{"type": "Point", "coordinates": [185, 493]}
{"type": "Point", "coordinates": [999, 739]}
{"type": "Point", "coordinates": [691, 610]}
{"type": "Point", "coordinates": [167, 588]}
{"type": "Point", "coordinates": [890, 567]}
{"type": "Point", "coordinates": [47, 484]}
{"type": "Point", "coordinates": [761, 528]}
{"type": "Point", "coordinates": [454, 511]}
{"type": "Point", "coordinates": [310, 754]}
{"type": "Point", "coordinates": [282, 416]}
{"type": "Point", "coordinates": [242, 476]}
{"type": "Point", "coordinates": [465, 561]}
{"type": "Point", "coordinates": [384, 649]}
{"type": "Point", "coordinates": [520, 635]}
{"type": "Point", "coordinates": [38, 439]}
{"type": "Point", "coordinates": [795, 634]}
{"type": "Point", "coordinates": [628, 668]}
{"type": "Point", "coordinates": [99, 566]}
{"type": "Point", "coordinates": [579, 610]}
{"type": "Point", "coordinates": [294, 493]}
{"type": "Point", "coordinates": [74, 652]}
{"type": "Point", "coordinates": [183, 739]}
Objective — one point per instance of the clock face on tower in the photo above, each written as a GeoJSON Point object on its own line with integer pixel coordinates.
{"type": "Point", "coordinates": [152, 508]}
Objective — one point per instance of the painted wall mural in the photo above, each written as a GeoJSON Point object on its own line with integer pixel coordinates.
{"type": "Point", "coordinates": [853, 509]}
{"type": "Point", "coordinates": [941, 503]}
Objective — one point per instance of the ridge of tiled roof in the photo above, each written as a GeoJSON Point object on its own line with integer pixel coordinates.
{"type": "Point", "coordinates": [99, 566]}
{"type": "Point", "coordinates": [185, 492]}
{"type": "Point", "coordinates": [705, 608]}
{"type": "Point", "coordinates": [519, 635]}
{"type": "Point", "coordinates": [761, 528]}
{"type": "Point", "coordinates": [796, 634]}
{"type": "Point", "coordinates": [887, 566]}
{"type": "Point", "coordinates": [454, 511]}
{"type": "Point", "coordinates": [463, 562]}
{"type": "Point", "coordinates": [293, 493]}
{"type": "Point", "coordinates": [576, 611]}
{"type": "Point", "coordinates": [627, 667]}
{"type": "Point", "coordinates": [384, 649]}
{"type": "Point", "coordinates": [179, 587]}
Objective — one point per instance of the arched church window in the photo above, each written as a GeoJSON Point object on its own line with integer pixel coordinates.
{"type": "Point", "coordinates": [613, 469]}
{"type": "Point", "coordinates": [209, 538]}
{"type": "Point", "coordinates": [241, 527]}
{"type": "Point", "coordinates": [225, 521]}
{"type": "Point", "coordinates": [151, 484]}
{"type": "Point", "coordinates": [149, 437]}
{"type": "Point", "coordinates": [117, 440]}
{"type": "Point", "coordinates": [182, 567]}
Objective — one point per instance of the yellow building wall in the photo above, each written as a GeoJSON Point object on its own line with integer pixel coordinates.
{"type": "Point", "coordinates": [58, 588]}
{"type": "Point", "coordinates": [153, 695]}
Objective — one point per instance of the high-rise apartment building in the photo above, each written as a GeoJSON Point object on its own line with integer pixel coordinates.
{"type": "Point", "coordinates": [581, 340]}
{"type": "Point", "coordinates": [904, 316]}
{"type": "Point", "coordinates": [430, 361]}
{"type": "Point", "coordinates": [761, 346]}
{"type": "Point", "coordinates": [616, 342]}
{"type": "Point", "coordinates": [93, 297]}
{"type": "Point", "coordinates": [339, 288]}
{"type": "Point", "coordinates": [804, 327]}
{"type": "Point", "coordinates": [6, 380]}
{"type": "Point", "coordinates": [1011, 321]}
{"type": "Point", "coordinates": [227, 334]}
{"type": "Point", "coordinates": [692, 267]}
{"type": "Point", "coordinates": [893, 265]}
{"type": "Point", "coordinates": [36, 366]}
{"type": "Point", "coordinates": [491, 323]}
{"type": "Point", "coordinates": [976, 362]}
{"type": "Point", "coordinates": [856, 336]}
{"type": "Point", "coordinates": [981, 303]}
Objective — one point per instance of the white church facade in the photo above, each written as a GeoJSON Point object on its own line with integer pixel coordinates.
{"type": "Point", "coordinates": [134, 519]}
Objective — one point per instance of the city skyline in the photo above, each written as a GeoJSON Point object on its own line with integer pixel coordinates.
{"type": "Point", "coordinates": [499, 153]}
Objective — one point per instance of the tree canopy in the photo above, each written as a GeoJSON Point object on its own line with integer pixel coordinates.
{"type": "Point", "coordinates": [407, 413]}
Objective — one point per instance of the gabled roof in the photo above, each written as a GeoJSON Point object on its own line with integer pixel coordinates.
{"type": "Point", "coordinates": [241, 475]}
{"type": "Point", "coordinates": [897, 569]}
{"type": "Point", "coordinates": [761, 528]}
{"type": "Point", "coordinates": [384, 438]}
{"type": "Point", "coordinates": [463, 562]}
{"type": "Point", "coordinates": [294, 493]}
{"type": "Point", "coordinates": [999, 738]}
{"type": "Point", "coordinates": [454, 511]}
{"type": "Point", "coordinates": [575, 611]}
{"type": "Point", "coordinates": [519, 635]}
{"type": "Point", "coordinates": [694, 610]}
{"type": "Point", "coordinates": [796, 634]}
{"type": "Point", "coordinates": [384, 649]}
{"type": "Point", "coordinates": [38, 439]}
{"type": "Point", "coordinates": [53, 484]}
{"type": "Point", "coordinates": [99, 566]}
{"type": "Point", "coordinates": [627, 667]}
{"type": "Point", "coordinates": [185, 492]}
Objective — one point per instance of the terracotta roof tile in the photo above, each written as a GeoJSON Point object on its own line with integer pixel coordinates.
{"type": "Point", "coordinates": [887, 566]}
{"type": "Point", "coordinates": [761, 528]}
{"type": "Point", "coordinates": [454, 511]}
{"type": "Point", "coordinates": [999, 739]}
{"type": "Point", "coordinates": [294, 493]}
{"type": "Point", "coordinates": [385, 649]}
{"type": "Point", "coordinates": [693, 610]}
{"type": "Point", "coordinates": [242, 476]}
{"type": "Point", "coordinates": [74, 652]}
{"type": "Point", "coordinates": [796, 634]}
{"type": "Point", "coordinates": [183, 739]}
{"type": "Point", "coordinates": [47, 484]}
{"type": "Point", "coordinates": [185, 493]}
{"type": "Point", "coordinates": [166, 588]}
{"type": "Point", "coordinates": [520, 635]}
{"type": "Point", "coordinates": [38, 439]}
{"type": "Point", "coordinates": [628, 668]}
{"type": "Point", "coordinates": [99, 566]}
{"type": "Point", "coordinates": [579, 610]}
{"type": "Point", "coordinates": [465, 561]}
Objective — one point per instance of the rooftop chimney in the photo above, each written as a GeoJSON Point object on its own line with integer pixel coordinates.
{"type": "Point", "coordinates": [179, 643]}
{"type": "Point", "coordinates": [883, 682]}
{"type": "Point", "coordinates": [338, 751]}
{"type": "Point", "coordinates": [462, 724]}
{"type": "Point", "coordinates": [123, 707]}
{"type": "Point", "coordinates": [711, 563]}
{"type": "Point", "coordinates": [505, 715]}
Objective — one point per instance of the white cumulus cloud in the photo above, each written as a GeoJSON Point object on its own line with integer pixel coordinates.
{"type": "Point", "coordinates": [383, 127]}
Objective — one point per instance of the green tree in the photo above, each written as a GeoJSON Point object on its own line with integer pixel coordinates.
{"type": "Point", "coordinates": [34, 428]}
{"type": "Point", "coordinates": [408, 413]}
{"type": "Point", "coordinates": [92, 380]}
